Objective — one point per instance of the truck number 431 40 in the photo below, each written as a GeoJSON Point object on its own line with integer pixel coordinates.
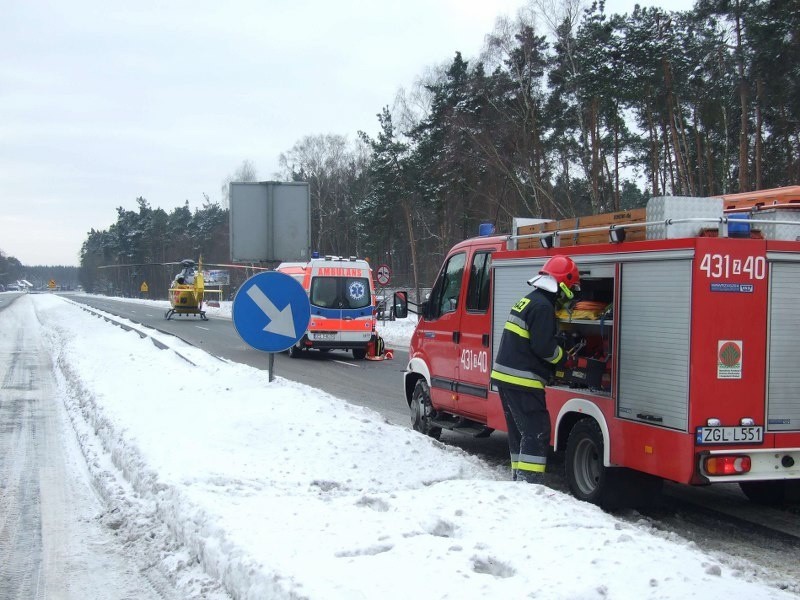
{"type": "Point", "coordinates": [722, 266]}
{"type": "Point", "coordinates": [474, 361]}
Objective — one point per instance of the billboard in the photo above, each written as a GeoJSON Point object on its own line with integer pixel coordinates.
{"type": "Point", "coordinates": [270, 221]}
{"type": "Point", "coordinates": [216, 277]}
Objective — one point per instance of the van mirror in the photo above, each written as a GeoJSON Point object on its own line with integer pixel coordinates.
{"type": "Point", "coordinates": [400, 305]}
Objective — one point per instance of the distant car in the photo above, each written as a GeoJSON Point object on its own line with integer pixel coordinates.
{"type": "Point", "coordinates": [12, 287]}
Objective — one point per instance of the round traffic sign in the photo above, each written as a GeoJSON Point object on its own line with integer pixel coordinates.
{"type": "Point", "coordinates": [384, 274]}
{"type": "Point", "coordinates": [271, 311]}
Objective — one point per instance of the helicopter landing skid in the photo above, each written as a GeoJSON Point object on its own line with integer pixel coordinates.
{"type": "Point", "coordinates": [172, 311]}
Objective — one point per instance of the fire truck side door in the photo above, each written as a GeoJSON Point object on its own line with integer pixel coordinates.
{"type": "Point", "coordinates": [442, 330]}
{"type": "Point", "coordinates": [474, 362]}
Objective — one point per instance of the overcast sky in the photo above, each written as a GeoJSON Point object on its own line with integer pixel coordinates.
{"type": "Point", "coordinates": [103, 102]}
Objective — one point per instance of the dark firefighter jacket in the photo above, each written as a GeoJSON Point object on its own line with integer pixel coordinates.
{"type": "Point", "coordinates": [528, 349]}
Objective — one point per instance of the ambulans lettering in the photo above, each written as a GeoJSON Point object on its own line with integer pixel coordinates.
{"type": "Point", "coordinates": [340, 272]}
{"type": "Point", "coordinates": [722, 266]}
{"type": "Point", "coordinates": [474, 361]}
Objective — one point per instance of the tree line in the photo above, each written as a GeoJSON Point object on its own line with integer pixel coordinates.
{"type": "Point", "coordinates": [566, 112]}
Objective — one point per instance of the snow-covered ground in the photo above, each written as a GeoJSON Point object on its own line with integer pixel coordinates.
{"type": "Point", "coordinates": [279, 490]}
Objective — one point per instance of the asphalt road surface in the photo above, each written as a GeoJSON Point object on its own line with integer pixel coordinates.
{"type": "Point", "coordinates": [374, 384]}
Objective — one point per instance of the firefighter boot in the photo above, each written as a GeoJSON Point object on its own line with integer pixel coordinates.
{"type": "Point", "coordinates": [530, 477]}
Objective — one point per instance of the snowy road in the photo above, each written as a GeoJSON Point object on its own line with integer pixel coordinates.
{"type": "Point", "coordinates": [56, 538]}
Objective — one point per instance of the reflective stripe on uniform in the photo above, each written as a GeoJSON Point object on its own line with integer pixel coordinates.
{"type": "Point", "coordinates": [536, 468]}
{"type": "Point", "coordinates": [527, 381]}
{"type": "Point", "coordinates": [517, 321]}
{"type": "Point", "coordinates": [556, 356]}
{"type": "Point", "coordinates": [514, 328]}
{"type": "Point", "coordinates": [528, 462]}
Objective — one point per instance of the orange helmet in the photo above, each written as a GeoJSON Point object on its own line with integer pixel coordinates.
{"type": "Point", "coordinates": [558, 273]}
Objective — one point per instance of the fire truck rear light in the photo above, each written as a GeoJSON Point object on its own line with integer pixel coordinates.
{"type": "Point", "coordinates": [747, 422]}
{"type": "Point", "coordinates": [713, 422]}
{"type": "Point", "coordinates": [727, 465]}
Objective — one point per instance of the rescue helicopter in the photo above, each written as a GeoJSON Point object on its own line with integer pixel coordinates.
{"type": "Point", "coordinates": [187, 291]}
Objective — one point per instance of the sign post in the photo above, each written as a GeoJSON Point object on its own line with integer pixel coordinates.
{"type": "Point", "coordinates": [271, 313]}
{"type": "Point", "coordinates": [383, 275]}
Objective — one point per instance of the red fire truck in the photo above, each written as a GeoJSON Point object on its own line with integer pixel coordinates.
{"type": "Point", "coordinates": [681, 346]}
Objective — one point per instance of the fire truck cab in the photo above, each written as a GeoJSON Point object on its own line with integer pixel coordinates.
{"type": "Point", "coordinates": [342, 297]}
{"type": "Point", "coordinates": [680, 362]}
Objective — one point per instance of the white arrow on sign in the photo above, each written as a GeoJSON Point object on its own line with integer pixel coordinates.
{"type": "Point", "coordinates": [281, 322]}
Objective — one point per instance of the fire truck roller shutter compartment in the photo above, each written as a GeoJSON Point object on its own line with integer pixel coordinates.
{"type": "Point", "coordinates": [510, 284]}
{"type": "Point", "coordinates": [511, 281]}
{"type": "Point", "coordinates": [783, 375]}
{"type": "Point", "coordinates": [654, 318]}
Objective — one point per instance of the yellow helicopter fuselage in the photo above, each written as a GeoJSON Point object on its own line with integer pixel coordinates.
{"type": "Point", "coordinates": [187, 298]}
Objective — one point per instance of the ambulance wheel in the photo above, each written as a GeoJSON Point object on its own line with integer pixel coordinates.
{"type": "Point", "coordinates": [359, 353]}
{"type": "Point", "coordinates": [421, 411]}
{"type": "Point", "coordinates": [295, 351]}
{"type": "Point", "coordinates": [586, 474]}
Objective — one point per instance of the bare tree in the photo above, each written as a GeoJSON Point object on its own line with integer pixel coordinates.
{"type": "Point", "coordinates": [246, 173]}
{"type": "Point", "coordinates": [330, 165]}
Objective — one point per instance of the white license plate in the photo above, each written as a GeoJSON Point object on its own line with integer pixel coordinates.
{"type": "Point", "coordinates": [730, 435]}
{"type": "Point", "coordinates": [325, 336]}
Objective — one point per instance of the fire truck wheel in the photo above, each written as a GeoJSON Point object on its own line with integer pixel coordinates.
{"type": "Point", "coordinates": [359, 353]}
{"type": "Point", "coordinates": [421, 410]}
{"type": "Point", "coordinates": [295, 351]}
{"type": "Point", "coordinates": [586, 474]}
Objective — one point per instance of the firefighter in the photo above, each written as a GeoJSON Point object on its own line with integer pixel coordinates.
{"type": "Point", "coordinates": [525, 361]}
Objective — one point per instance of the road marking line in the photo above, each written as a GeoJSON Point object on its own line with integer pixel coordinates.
{"type": "Point", "coordinates": [341, 362]}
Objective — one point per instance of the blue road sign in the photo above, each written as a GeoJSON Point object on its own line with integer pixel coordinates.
{"type": "Point", "coordinates": [271, 311]}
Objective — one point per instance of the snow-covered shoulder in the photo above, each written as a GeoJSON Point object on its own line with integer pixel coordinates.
{"type": "Point", "coordinates": [282, 491]}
